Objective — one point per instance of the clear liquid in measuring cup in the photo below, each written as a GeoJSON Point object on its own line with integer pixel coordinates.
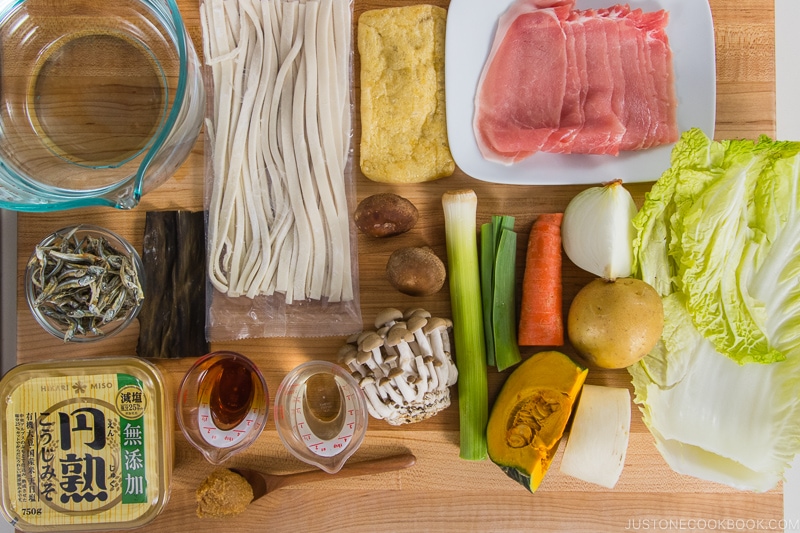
{"type": "Point", "coordinates": [323, 406]}
{"type": "Point", "coordinates": [321, 414]}
{"type": "Point", "coordinates": [98, 99]}
{"type": "Point", "coordinates": [324, 414]}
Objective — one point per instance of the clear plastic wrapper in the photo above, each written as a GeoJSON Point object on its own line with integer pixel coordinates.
{"type": "Point", "coordinates": [282, 248]}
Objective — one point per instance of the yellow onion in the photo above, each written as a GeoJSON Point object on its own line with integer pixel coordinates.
{"type": "Point", "coordinates": [597, 230]}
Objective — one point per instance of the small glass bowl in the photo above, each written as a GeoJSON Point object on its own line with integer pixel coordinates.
{"type": "Point", "coordinates": [60, 326]}
{"type": "Point", "coordinates": [222, 406]}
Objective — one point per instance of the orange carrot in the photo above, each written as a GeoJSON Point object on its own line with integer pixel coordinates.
{"type": "Point", "coordinates": [541, 323]}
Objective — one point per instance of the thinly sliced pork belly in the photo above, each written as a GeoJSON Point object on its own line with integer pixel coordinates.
{"type": "Point", "coordinates": [617, 75]}
{"type": "Point", "coordinates": [572, 114]}
{"type": "Point", "coordinates": [640, 94]}
{"type": "Point", "coordinates": [571, 136]}
{"type": "Point", "coordinates": [665, 128]}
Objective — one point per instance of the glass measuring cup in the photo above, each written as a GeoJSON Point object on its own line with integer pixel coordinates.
{"type": "Point", "coordinates": [222, 404]}
{"type": "Point", "coordinates": [100, 101]}
{"type": "Point", "coordinates": [321, 414]}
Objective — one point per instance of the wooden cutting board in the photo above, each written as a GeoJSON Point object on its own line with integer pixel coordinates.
{"type": "Point", "coordinates": [443, 492]}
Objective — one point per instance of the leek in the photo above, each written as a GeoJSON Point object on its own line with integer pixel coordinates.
{"type": "Point", "coordinates": [487, 282]}
{"type": "Point", "coordinates": [504, 319]}
{"type": "Point", "coordinates": [460, 221]}
{"type": "Point", "coordinates": [498, 287]}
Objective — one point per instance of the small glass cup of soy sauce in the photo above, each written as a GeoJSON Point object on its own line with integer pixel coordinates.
{"type": "Point", "coordinates": [222, 404]}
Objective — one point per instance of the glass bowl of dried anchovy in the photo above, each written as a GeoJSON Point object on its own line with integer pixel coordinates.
{"type": "Point", "coordinates": [84, 283]}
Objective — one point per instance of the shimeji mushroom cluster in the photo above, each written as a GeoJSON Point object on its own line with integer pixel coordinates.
{"type": "Point", "coordinates": [404, 366]}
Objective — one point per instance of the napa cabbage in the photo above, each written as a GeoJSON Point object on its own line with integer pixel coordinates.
{"type": "Point", "coordinates": [718, 237]}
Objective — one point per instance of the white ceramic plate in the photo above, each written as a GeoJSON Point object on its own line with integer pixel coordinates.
{"type": "Point", "coordinates": [470, 30]}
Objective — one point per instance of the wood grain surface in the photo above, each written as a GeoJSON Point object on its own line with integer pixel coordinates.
{"type": "Point", "coordinates": [442, 492]}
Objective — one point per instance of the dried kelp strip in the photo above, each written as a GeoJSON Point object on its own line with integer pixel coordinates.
{"type": "Point", "coordinates": [172, 320]}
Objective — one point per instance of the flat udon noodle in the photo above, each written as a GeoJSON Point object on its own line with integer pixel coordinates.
{"type": "Point", "coordinates": [278, 214]}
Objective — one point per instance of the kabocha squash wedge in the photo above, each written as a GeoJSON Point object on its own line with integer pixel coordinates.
{"type": "Point", "coordinates": [530, 414]}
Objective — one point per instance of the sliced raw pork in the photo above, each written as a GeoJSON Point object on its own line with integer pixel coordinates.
{"type": "Point", "coordinates": [524, 81]}
{"type": "Point", "coordinates": [560, 80]}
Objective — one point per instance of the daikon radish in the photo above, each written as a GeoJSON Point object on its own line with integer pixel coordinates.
{"type": "Point", "coordinates": [598, 442]}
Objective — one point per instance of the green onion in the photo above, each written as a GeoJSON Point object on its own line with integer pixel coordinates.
{"type": "Point", "coordinates": [460, 222]}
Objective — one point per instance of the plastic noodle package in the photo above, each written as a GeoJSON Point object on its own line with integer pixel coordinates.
{"type": "Point", "coordinates": [282, 249]}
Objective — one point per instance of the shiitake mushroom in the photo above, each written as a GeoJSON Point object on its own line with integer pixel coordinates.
{"type": "Point", "coordinates": [416, 271]}
{"type": "Point", "coordinates": [385, 215]}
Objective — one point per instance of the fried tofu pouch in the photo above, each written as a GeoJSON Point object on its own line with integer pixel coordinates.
{"type": "Point", "coordinates": [403, 122]}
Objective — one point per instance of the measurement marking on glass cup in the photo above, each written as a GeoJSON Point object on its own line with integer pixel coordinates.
{"type": "Point", "coordinates": [322, 420]}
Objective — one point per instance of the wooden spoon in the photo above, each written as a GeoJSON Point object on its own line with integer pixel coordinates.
{"type": "Point", "coordinates": [264, 483]}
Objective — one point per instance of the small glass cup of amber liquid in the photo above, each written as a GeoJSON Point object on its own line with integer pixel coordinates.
{"type": "Point", "coordinates": [222, 404]}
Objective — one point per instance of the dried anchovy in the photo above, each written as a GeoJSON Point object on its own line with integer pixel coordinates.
{"type": "Point", "coordinates": [83, 284]}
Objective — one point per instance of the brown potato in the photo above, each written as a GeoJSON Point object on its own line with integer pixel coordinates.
{"type": "Point", "coordinates": [416, 271]}
{"type": "Point", "coordinates": [385, 215]}
{"type": "Point", "coordinates": [613, 324]}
